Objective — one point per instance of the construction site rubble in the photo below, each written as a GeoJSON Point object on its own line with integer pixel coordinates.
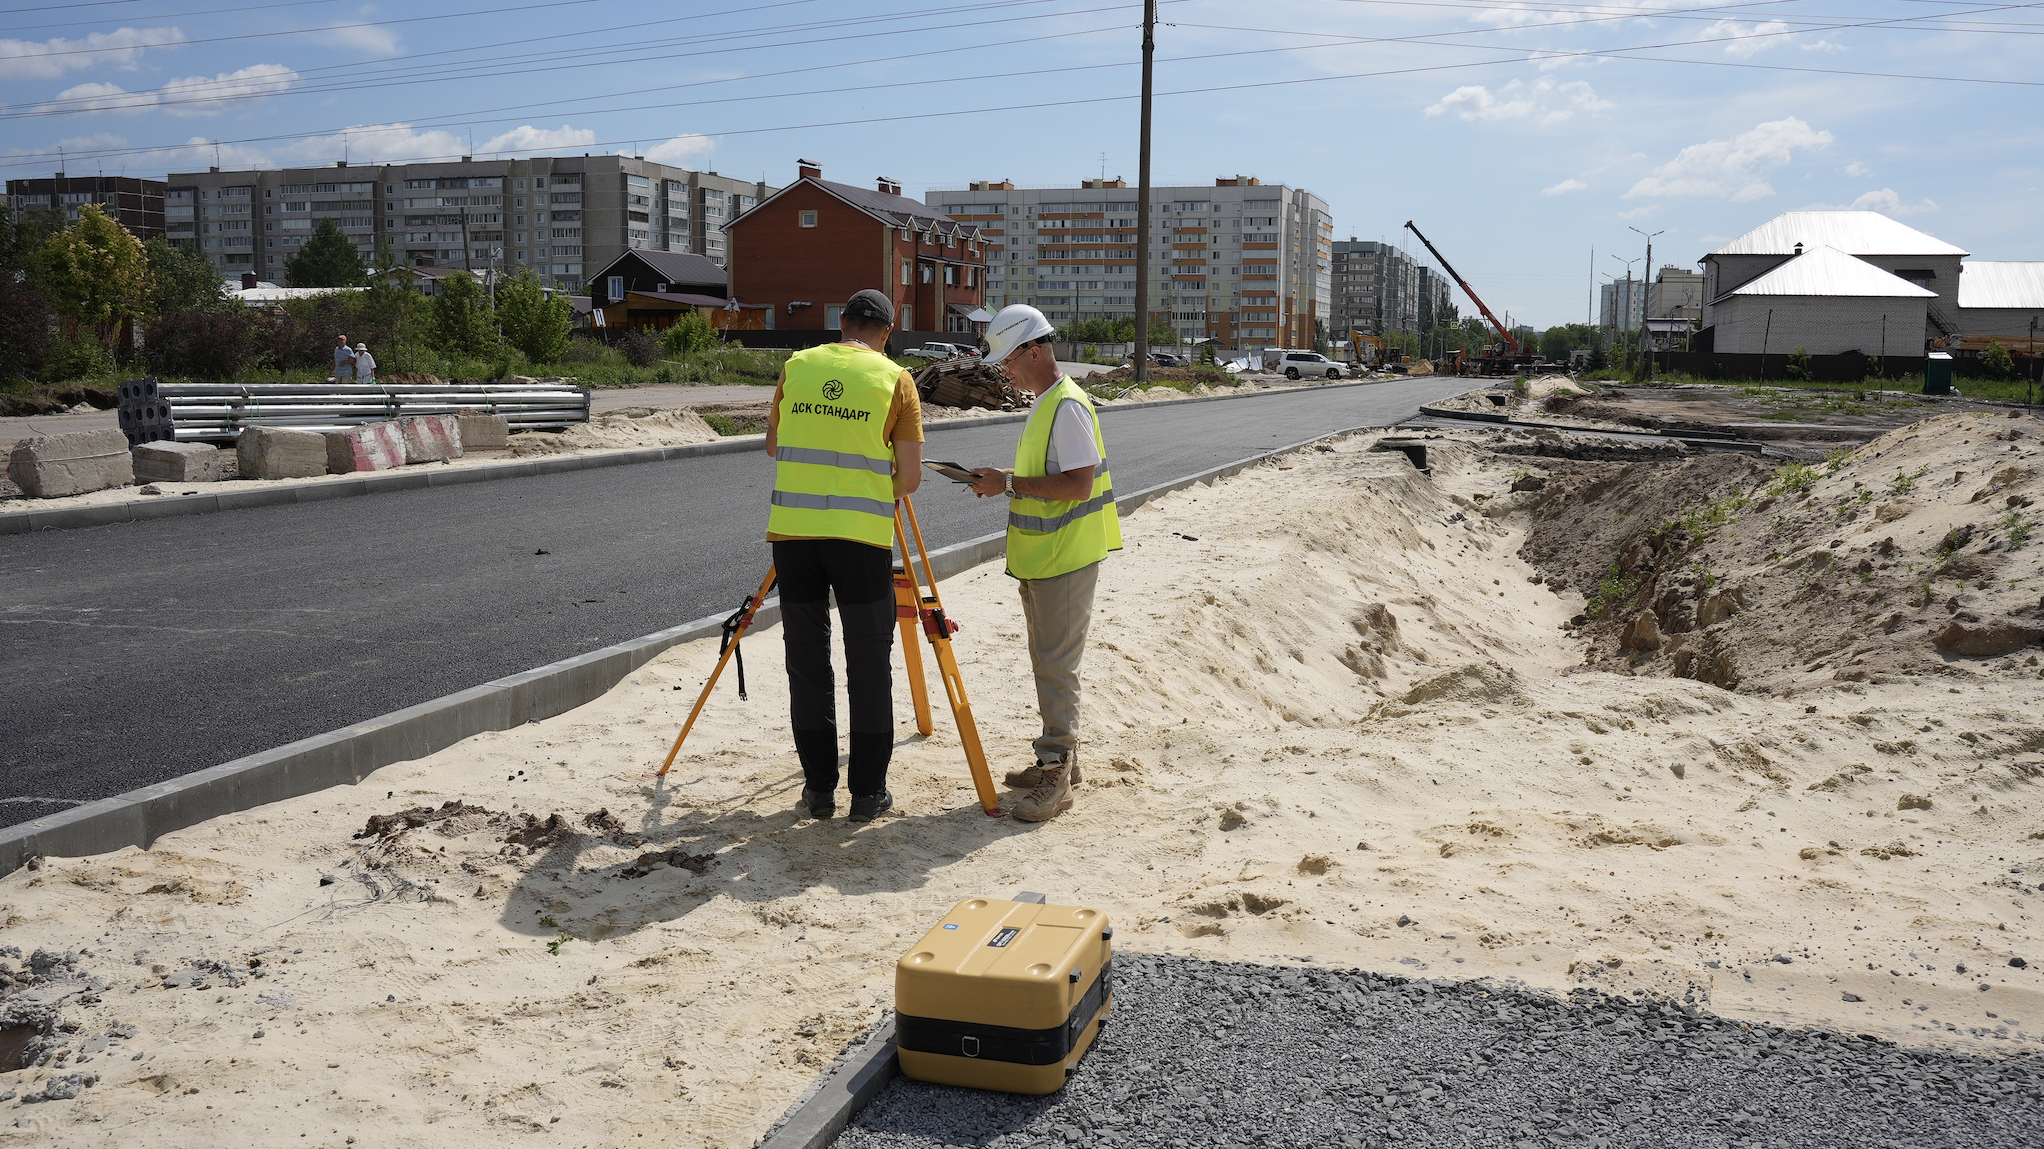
{"type": "Point", "coordinates": [73, 463]}
{"type": "Point", "coordinates": [968, 383]}
{"type": "Point", "coordinates": [278, 453]}
{"type": "Point", "coordinates": [165, 461]}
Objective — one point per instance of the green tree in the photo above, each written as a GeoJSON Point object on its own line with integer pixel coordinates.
{"type": "Point", "coordinates": [181, 279]}
{"type": "Point", "coordinates": [1798, 368]}
{"type": "Point", "coordinates": [328, 259]}
{"type": "Point", "coordinates": [95, 273]}
{"type": "Point", "coordinates": [690, 334]}
{"type": "Point", "coordinates": [1996, 361]}
{"type": "Point", "coordinates": [390, 310]}
{"type": "Point", "coordinates": [461, 317]}
{"type": "Point", "coordinates": [22, 235]}
{"type": "Point", "coordinates": [537, 323]}
{"type": "Point", "coordinates": [1161, 334]}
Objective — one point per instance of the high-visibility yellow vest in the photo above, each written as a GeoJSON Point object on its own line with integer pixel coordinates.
{"type": "Point", "coordinates": [1050, 537]}
{"type": "Point", "coordinates": [834, 467]}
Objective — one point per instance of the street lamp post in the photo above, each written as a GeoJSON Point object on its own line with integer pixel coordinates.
{"type": "Point", "coordinates": [1647, 307]}
{"type": "Point", "coordinates": [1624, 310]}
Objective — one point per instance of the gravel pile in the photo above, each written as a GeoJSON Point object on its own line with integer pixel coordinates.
{"type": "Point", "coordinates": [1201, 1054]}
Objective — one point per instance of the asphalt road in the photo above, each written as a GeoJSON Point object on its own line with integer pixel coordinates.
{"type": "Point", "coordinates": [139, 652]}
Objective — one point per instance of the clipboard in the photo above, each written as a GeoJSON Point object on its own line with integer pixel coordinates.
{"type": "Point", "coordinates": [956, 472]}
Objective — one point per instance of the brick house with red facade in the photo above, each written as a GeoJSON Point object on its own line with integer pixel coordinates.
{"type": "Point", "coordinates": [808, 247]}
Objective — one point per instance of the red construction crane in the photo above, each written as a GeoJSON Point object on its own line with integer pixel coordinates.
{"type": "Point", "coordinates": [1513, 344]}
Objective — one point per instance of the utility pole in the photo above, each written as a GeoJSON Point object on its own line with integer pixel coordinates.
{"type": "Point", "coordinates": [1143, 202]}
{"type": "Point", "coordinates": [1647, 308]}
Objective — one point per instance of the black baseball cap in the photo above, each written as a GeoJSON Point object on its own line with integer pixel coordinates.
{"type": "Point", "coordinates": [870, 304]}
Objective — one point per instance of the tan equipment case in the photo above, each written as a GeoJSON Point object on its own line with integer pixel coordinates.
{"type": "Point", "coordinates": [1004, 995]}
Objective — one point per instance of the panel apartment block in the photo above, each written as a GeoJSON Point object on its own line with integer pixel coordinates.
{"type": "Point", "coordinates": [561, 216]}
{"type": "Point", "coordinates": [1241, 262]}
{"type": "Point", "coordinates": [136, 203]}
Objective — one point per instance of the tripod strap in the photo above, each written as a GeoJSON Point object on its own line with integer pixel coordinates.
{"type": "Point", "coordinates": [738, 619]}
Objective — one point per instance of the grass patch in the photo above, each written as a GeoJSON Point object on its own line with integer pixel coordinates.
{"type": "Point", "coordinates": [1617, 587]}
{"type": "Point", "coordinates": [1793, 478]}
{"type": "Point", "coordinates": [2017, 526]}
{"type": "Point", "coordinates": [1698, 522]}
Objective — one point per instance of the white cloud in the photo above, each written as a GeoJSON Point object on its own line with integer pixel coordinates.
{"type": "Point", "coordinates": [1748, 39]}
{"type": "Point", "coordinates": [680, 149]}
{"type": "Point", "coordinates": [377, 143]}
{"type": "Point", "coordinates": [1731, 169]}
{"type": "Point", "coordinates": [1640, 213]}
{"type": "Point", "coordinates": [48, 59]}
{"type": "Point", "coordinates": [191, 96]}
{"type": "Point", "coordinates": [530, 139]}
{"type": "Point", "coordinates": [1857, 169]}
{"type": "Point", "coordinates": [210, 96]}
{"type": "Point", "coordinates": [98, 97]}
{"type": "Point", "coordinates": [1564, 186]}
{"type": "Point", "coordinates": [1884, 201]}
{"type": "Point", "coordinates": [366, 38]}
{"type": "Point", "coordinates": [1548, 101]}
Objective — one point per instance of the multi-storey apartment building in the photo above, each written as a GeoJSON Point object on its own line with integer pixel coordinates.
{"type": "Point", "coordinates": [1621, 303]}
{"type": "Point", "coordinates": [1376, 287]}
{"type": "Point", "coordinates": [136, 203]}
{"type": "Point", "coordinates": [1435, 295]}
{"type": "Point", "coordinates": [1241, 262]}
{"type": "Point", "coordinates": [561, 216]}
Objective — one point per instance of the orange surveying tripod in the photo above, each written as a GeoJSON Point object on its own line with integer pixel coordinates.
{"type": "Point", "coordinates": [910, 606]}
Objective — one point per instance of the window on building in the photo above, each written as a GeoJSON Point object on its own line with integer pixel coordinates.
{"type": "Point", "coordinates": [833, 316]}
{"type": "Point", "coordinates": [808, 219]}
{"type": "Point", "coordinates": [928, 273]}
{"type": "Point", "coordinates": [950, 276]}
{"type": "Point", "coordinates": [904, 271]}
{"type": "Point", "coordinates": [616, 287]}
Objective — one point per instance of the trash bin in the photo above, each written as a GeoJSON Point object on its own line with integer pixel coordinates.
{"type": "Point", "coordinates": [1937, 374]}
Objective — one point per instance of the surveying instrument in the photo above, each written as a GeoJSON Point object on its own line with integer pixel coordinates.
{"type": "Point", "coordinates": [911, 607]}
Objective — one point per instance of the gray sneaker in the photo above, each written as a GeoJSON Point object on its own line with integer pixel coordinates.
{"type": "Point", "coordinates": [1031, 778]}
{"type": "Point", "coordinates": [867, 807]}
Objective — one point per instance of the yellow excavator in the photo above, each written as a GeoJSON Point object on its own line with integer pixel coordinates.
{"type": "Point", "coordinates": [1380, 355]}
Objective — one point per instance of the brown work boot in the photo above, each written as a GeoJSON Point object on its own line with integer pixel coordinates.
{"type": "Point", "coordinates": [1032, 777]}
{"type": "Point", "coordinates": [1051, 797]}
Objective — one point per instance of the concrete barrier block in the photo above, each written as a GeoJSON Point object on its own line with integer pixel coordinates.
{"type": "Point", "coordinates": [173, 462]}
{"type": "Point", "coordinates": [430, 438]}
{"type": "Point", "coordinates": [370, 447]}
{"type": "Point", "coordinates": [74, 463]}
{"type": "Point", "coordinates": [484, 432]}
{"type": "Point", "coordinates": [278, 453]}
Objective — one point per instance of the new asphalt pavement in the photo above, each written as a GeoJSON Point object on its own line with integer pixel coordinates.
{"type": "Point", "coordinates": [142, 651]}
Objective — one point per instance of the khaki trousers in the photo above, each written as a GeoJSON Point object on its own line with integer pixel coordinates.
{"type": "Point", "coordinates": [1058, 611]}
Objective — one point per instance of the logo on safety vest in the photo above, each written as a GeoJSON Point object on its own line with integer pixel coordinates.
{"type": "Point", "coordinates": [833, 390]}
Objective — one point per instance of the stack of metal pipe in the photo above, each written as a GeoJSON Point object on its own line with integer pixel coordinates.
{"type": "Point", "coordinates": [217, 412]}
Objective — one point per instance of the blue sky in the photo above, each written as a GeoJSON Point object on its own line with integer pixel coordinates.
{"type": "Point", "coordinates": [1518, 135]}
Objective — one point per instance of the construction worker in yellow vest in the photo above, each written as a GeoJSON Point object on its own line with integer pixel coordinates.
{"type": "Point", "coordinates": [846, 434]}
{"type": "Point", "coordinates": [1061, 523]}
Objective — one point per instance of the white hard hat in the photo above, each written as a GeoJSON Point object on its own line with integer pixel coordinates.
{"type": "Point", "coordinates": [1014, 326]}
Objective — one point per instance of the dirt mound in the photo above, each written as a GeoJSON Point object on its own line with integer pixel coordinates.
{"type": "Point", "coordinates": [1913, 555]}
{"type": "Point", "coordinates": [1208, 375]}
{"type": "Point", "coordinates": [418, 817]}
{"type": "Point", "coordinates": [654, 428]}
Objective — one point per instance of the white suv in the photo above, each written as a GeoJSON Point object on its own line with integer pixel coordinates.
{"type": "Point", "coordinates": [1298, 363]}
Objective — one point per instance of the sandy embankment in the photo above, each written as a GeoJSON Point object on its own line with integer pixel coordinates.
{"type": "Point", "coordinates": [1324, 698]}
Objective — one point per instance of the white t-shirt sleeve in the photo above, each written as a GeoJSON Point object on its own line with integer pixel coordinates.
{"type": "Point", "coordinates": [1071, 440]}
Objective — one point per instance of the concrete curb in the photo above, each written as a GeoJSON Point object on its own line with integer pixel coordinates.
{"type": "Point", "coordinates": [352, 753]}
{"type": "Point", "coordinates": [824, 1112]}
{"type": "Point", "coordinates": [172, 506]}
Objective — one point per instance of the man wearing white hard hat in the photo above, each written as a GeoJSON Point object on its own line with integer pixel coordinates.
{"type": "Point", "coordinates": [1061, 524]}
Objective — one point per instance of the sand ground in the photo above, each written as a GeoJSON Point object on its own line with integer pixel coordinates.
{"type": "Point", "coordinates": [1330, 718]}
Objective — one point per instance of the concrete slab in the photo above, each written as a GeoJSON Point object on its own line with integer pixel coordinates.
{"type": "Point", "coordinates": [484, 432]}
{"type": "Point", "coordinates": [74, 463]}
{"type": "Point", "coordinates": [370, 447]}
{"type": "Point", "coordinates": [278, 453]}
{"type": "Point", "coordinates": [165, 461]}
{"type": "Point", "coordinates": [430, 438]}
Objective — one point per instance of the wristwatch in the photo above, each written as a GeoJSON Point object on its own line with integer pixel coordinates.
{"type": "Point", "coordinates": [1009, 483]}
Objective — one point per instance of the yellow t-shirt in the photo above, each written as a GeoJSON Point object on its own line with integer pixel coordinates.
{"type": "Point", "coordinates": [904, 423]}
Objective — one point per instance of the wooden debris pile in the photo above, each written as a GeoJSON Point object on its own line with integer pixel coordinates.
{"type": "Point", "coordinates": [968, 383]}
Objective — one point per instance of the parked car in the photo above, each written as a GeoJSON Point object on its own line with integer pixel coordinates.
{"type": "Point", "coordinates": [1166, 359]}
{"type": "Point", "coordinates": [1299, 363]}
{"type": "Point", "coordinates": [936, 352]}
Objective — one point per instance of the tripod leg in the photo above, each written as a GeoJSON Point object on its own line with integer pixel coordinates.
{"type": "Point", "coordinates": [939, 627]}
{"type": "Point", "coordinates": [911, 654]}
{"type": "Point", "coordinates": [744, 624]}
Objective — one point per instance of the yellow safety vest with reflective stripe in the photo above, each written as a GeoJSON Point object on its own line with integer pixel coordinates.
{"type": "Point", "coordinates": [1050, 537]}
{"type": "Point", "coordinates": [834, 468]}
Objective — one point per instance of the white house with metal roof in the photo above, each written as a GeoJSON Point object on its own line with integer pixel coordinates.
{"type": "Point", "coordinates": [1825, 302]}
{"type": "Point", "coordinates": [2002, 300]}
{"type": "Point", "coordinates": [1868, 236]}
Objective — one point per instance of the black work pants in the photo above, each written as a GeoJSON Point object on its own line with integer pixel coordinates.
{"type": "Point", "coordinates": [862, 579]}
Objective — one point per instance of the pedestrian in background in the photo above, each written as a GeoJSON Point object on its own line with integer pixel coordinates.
{"type": "Point", "coordinates": [1061, 523]}
{"type": "Point", "coordinates": [365, 364]}
{"type": "Point", "coordinates": [846, 434]}
{"type": "Point", "coordinates": [344, 360]}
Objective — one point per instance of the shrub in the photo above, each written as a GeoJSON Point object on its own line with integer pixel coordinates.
{"type": "Point", "coordinates": [24, 328]}
{"type": "Point", "coordinates": [204, 344]}
{"type": "Point", "coordinates": [1996, 361]}
{"type": "Point", "coordinates": [639, 348]}
{"type": "Point", "coordinates": [534, 322]}
{"type": "Point", "coordinates": [691, 333]}
{"type": "Point", "coordinates": [1798, 366]}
